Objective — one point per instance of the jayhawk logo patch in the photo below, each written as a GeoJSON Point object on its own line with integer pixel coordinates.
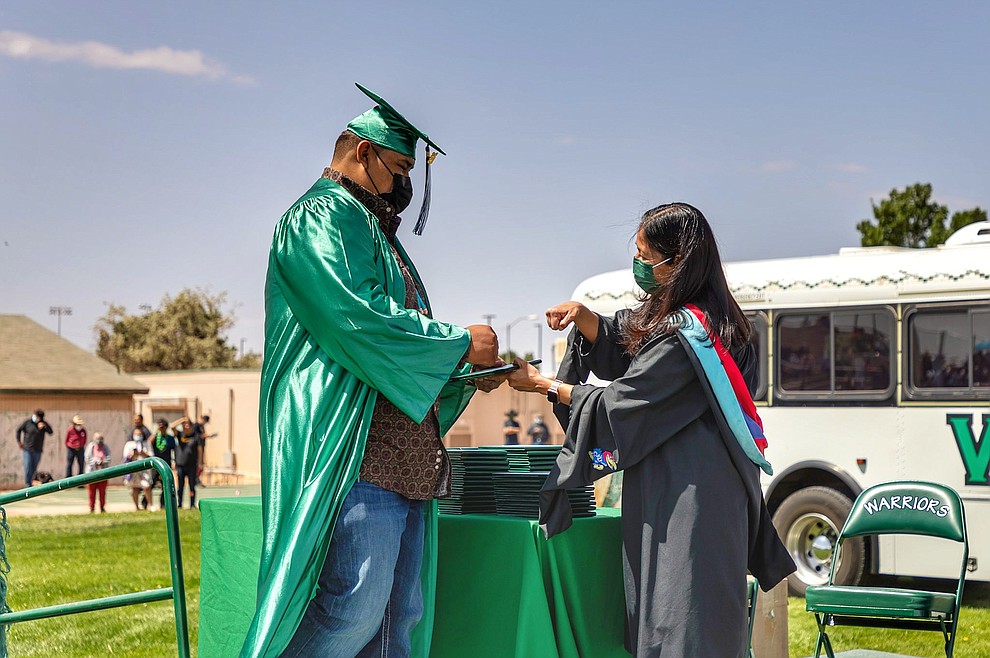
{"type": "Point", "coordinates": [602, 458]}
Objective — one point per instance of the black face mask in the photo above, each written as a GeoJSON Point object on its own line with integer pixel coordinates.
{"type": "Point", "coordinates": [402, 189]}
{"type": "Point", "coordinates": [401, 194]}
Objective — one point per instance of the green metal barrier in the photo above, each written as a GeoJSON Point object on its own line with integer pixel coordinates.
{"type": "Point", "coordinates": [177, 592]}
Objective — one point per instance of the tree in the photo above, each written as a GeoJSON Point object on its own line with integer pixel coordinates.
{"type": "Point", "coordinates": [184, 332]}
{"type": "Point", "coordinates": [911, 218]}
{"type": "Point", "coordinates": [509, 357]}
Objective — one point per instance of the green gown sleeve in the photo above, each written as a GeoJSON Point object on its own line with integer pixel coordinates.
{"type": "Point", "coordinates": [331, 274]}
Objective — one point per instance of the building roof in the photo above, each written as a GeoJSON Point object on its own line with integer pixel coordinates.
{"type": "Point", "coordinates": [34, 359]}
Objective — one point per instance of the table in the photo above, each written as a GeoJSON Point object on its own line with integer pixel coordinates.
{"type": "Point", "coordinates": [502, 589]}
{"type": "Point", "coordinates": [230, 556]}
{"type": "Point", "coordinates": [222, 476]}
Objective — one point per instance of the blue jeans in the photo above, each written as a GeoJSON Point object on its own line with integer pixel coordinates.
{"type": "Point", "coordinates": [31, 460]}
{"type": "Point", "coordinates": [370, 596]}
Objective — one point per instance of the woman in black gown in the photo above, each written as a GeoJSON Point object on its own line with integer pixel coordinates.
{"type": "Point", "coordinates": [693, 514]}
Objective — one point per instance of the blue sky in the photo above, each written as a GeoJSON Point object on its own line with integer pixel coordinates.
{"type": "Point", "coordinates": [148, 147]}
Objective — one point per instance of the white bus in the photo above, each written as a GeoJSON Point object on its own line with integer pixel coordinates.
{"type": "Point", "coordinates": [874, 366]}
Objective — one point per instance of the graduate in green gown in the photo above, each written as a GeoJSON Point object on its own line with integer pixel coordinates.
{"type": "Point", "coordinates": [339, 334]}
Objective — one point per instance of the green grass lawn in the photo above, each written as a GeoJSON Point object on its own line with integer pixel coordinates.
{"type": "Point", "coordinates": [973, 638]}
{"type": "Point", "coordinates": [59, 559]}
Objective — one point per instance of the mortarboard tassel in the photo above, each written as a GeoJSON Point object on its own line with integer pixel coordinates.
{"type": "Point", "coordinates": [424, 212]}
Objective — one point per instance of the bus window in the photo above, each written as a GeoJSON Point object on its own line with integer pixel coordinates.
{"type": "Point", "coordinates": [835, 354]}
{"type": "Point", "coordinates": [981, 350]}
{"type": "Point", "coordinates": [759, 340]}
{"type": "Point", "coordinates": [940, 349]}
{"type": "Point", "coordinates": [862, 350]}
{"type": "Point", "coordinates": [804, 352]}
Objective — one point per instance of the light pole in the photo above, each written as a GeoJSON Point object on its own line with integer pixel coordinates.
{"type": "Point", "coordinates": [508, 330]}
{"type": "Point", "coordinates": [539, 343]}
{"type": "Point", "coordinates": [59, 311]}
{"type": "Point", "coordinates": [488, 318]}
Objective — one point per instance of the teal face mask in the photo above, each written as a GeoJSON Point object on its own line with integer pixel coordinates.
{"type": "Point", "coordinates": [643, 274]}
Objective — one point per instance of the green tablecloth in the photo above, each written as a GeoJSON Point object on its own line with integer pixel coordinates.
{"type": "Point", "coordinates": [502, 589]}
{"type": "Point", "coordinates": [230, 555]}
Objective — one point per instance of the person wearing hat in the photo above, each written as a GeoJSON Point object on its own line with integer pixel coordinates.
{"type": "Point", "coordinates": [355, 395]}
{"type": "Point", "coordinates": [31, 440]}
{"type": "Point", "coordinates": [75, 446]}
{"type": "Point", "coordinates": [511, 428]}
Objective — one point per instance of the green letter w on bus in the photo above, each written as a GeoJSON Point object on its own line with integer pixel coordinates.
{"type": "Point", "coordinates": [975, 455]}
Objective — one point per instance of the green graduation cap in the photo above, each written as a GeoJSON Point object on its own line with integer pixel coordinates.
{"type": "Point", "coordinates": [384, 126]}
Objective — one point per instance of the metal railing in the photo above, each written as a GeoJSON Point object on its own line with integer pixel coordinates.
{"type": "Point", "coordinates": [177, 592]}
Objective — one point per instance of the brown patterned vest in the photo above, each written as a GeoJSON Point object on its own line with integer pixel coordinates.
{"type": "Point", "coordinates": [401, 455]}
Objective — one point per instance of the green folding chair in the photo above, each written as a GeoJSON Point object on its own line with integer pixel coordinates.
{"type": "Point", "coordinates": [751, 590]}
{"type": "Point", "coordinates": [908, 508]}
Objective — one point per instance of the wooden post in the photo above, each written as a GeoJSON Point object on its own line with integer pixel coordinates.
{"type": "Point", "coordinates": [770, 627]}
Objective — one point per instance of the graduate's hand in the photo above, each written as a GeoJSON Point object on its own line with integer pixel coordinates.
{"type": "Point", "coordinates": [563, 315]}
{"type": "Point", "coordinates": [484, 345]}
{"type": "Point", "coordinates": [528, 379]}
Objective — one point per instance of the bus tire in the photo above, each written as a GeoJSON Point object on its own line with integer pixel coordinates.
{"type": "Point", "coordinates": [808, 522]}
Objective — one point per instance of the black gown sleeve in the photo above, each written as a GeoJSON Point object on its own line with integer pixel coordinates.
{"type": "Point", "coordinates": [655, 399]}
{"type": "Point", "coordinates": [607, 356]}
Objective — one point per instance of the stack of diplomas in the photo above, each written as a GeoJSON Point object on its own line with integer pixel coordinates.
{"type": "Point", "coordinates": [471, 480]}
{"type": "Point", "coordinates": [506, 480]}
{"type": "Point", "coordinates": [518, 494]}
{"type": "Point", "coordinates": [531, 458]}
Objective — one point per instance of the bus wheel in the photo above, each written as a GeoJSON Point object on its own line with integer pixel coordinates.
{"type": "Point", "coordinates": [808, 522]}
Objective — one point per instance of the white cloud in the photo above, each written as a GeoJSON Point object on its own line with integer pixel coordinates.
{"type": "Point", "coordinates": [194, 63]}
{"type": "Point", "coordinates": [777, 166]}
{"type": "Point", "coordinates": [851, 168]}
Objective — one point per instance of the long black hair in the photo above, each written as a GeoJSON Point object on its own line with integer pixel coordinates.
{"type": "Point", "coordinates": [680, 231]}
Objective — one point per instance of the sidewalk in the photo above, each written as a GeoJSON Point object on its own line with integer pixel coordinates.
{"type": "Point", "coordinates": [866, 653]}
{"type": "Point", "coordinates": [76, 501]}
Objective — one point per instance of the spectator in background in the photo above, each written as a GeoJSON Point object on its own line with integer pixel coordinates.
{"type": "Point", "coordinates": [163, 446]}
{"type": "Point", "coordinates": [139, 425]}
{"type": "Point", "coordinates": [75, 444]}
{"type": "Point", "coordinates": [97, 455]}
{"type": "Point", "coordinates": [538, 432]}
{"type": "Point", "coordinates": [511, 428]}
{"type": "Point", "coordinates": [201, 428]}
{"type": "Point", "coordinates": [31, 439]}
{"type": "Point", "coordinates": [188, 450]}
{"type": "Point", "coordinates": [137, 448]}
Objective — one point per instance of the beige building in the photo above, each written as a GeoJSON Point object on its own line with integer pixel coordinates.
{"type": "Point", "coordinates": [230, 398]}
{"type": "Point", "coordinates": [40, 370]}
